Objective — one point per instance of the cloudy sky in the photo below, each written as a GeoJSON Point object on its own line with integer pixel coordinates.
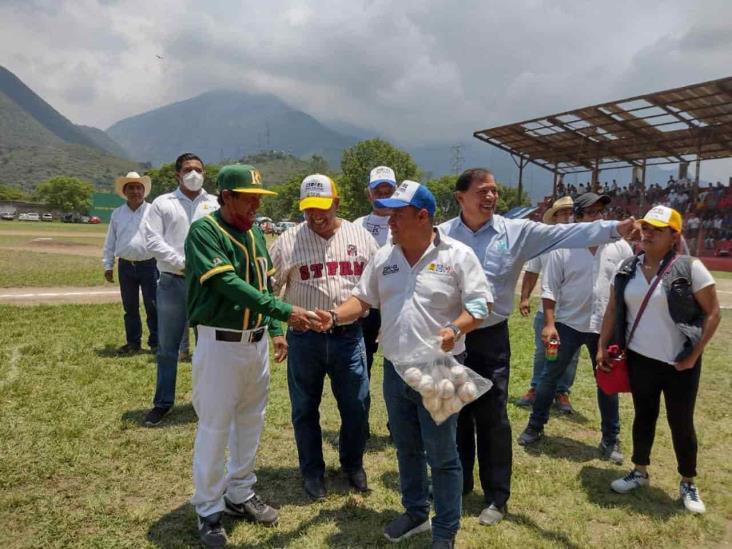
{"type": "Point", "coordinates": [413, 70]}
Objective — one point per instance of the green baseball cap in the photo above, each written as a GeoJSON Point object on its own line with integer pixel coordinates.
{"type": "Point", "coordinates": [241, 178]}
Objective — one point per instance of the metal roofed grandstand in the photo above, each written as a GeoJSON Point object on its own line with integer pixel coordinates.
{"type": "Point", "coordinates": [681, 125]}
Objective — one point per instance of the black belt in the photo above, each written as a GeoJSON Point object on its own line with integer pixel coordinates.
{"type": "Point", "coordinates": [137, 262]}
{"type": "Point", "coordinates": [253, 336]}
{"type": "Point", "coordinates": [346, 328]}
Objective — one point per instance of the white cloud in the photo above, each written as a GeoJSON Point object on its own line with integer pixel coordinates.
{"type": "Point", "coordinates": [414, 71]}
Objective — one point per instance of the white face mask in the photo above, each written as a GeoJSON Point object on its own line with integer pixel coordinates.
{"type": "Point", "coordinates": [193, 181]}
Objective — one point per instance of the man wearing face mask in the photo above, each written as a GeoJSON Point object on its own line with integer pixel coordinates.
{"type": "Point", "coordinates": [318, 263]}
{"type": "Point", "coordinates": [166, 228]}
{"type": "Point", "coordinates": [230, 302]}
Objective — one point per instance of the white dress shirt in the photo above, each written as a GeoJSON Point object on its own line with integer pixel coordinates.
{"type": "Point", "coordinates": [579, 283]}
{"type": "Point", "coordinates": [504, 245]}
{"type": "Point", "coordinates": [125, 236]}
{"type": "Point", "coordinates": [167, 225]}
{"type": "Point", "coordinates": [417, 301]}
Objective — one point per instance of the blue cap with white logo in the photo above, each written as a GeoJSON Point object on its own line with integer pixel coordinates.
{"type": "Point", "coordinates": [410, 193]}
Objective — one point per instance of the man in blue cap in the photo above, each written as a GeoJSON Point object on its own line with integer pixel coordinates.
{"type": "Point", "coordinates": [429, 287]}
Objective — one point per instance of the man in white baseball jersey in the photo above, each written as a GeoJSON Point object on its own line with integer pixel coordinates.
{"type": "Point", "coordinates": [382, 183]}
{"type": "Point", "coordinates": [166, 228]}
{"type": "Point", "coordinates": [319, 262]}
{"type": "Point", "coordinates": [427, 286]}
{"type": "Point", "coordinates": [136, 267]}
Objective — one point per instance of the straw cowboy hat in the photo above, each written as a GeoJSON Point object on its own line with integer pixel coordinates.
{"type": "Point", "coordinates": [132, 177]}
{"type": "Point", "coordinates": [559, 204]}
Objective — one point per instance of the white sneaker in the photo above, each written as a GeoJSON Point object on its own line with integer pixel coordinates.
{"type": "Point", "coordinates": [629, 482]}
{"type": "Point", "coordinates": [689, 494]}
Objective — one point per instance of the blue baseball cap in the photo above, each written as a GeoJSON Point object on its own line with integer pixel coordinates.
{"type": "Point", "coordinates": [410, 193]}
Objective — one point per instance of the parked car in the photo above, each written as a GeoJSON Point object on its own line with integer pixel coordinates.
{"type": "Point", "coordinates": [94, 220]}
{"type": "Point", "coordinates": [7, 216]}
{"type": "Point", "coordinates": [46, 217]}
{"type": "Point", "coordinates": [31, 216]}
{"type": "Point", "coordinates": [282, 226]}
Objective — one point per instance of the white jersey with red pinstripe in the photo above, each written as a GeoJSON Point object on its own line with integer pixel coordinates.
{"type": "Point", "coordinates": [317, 272]}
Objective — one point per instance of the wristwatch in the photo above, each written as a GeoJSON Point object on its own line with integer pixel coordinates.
{"type": "Point", "coordinates": [455, 329]}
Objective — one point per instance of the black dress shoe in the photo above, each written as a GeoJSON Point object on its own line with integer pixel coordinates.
{"type": "Point", "coordinates": [315, 487]}
{"type": "Point", "coordinates": [358, 480]}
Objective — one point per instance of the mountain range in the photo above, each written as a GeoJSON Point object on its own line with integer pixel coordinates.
{"type": "Point", "coordinates": [37, 142]}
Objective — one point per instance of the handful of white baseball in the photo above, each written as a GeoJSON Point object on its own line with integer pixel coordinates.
{"type": "Point", "coordinates": [445, 391]}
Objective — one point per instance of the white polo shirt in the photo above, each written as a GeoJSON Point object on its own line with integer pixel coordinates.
{"type": "Point", "coordinates": [579, 283]}
{"type": "Point", "coordinates": [417, 301]}
{"type": "Point", "coordinates": [657, 336]}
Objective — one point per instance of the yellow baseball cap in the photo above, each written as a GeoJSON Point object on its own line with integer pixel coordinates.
{"type": "Point", "coordinates": [317, 191]}
{"type": "Point", "coordinates": [663, 216]}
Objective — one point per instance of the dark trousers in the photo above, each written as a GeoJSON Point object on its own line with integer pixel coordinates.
{"type": "Point", "coordinates": [133, 277]}
{"type": "Point", "coordinates": [648, 379]}
{"type": "Point", "coordinates": [484, 424]}
{"type": "Point", "coordinates": [340, 356]}
{"type": "Point", "coordinates": [370, 326]}
{"type": "Point", "coordinates": [571, 342]}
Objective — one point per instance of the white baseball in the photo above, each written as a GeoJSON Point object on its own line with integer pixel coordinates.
{"type": "Point", "coordinates": [445, 388]}
{"type": "Point", "coordinates": [458, 374]}
{"type": "Point", "coordinates": [440, 415]}
{"type": "Point", "coordinates": [413, 376]}
{"type": "Point", "coordinates": [454, 405]}
{"type": "Point", "coordinates": [467, 392]}
{"type": "Point", "coordinates": [433, 404]}
{"type": "Point", "coordinates": [426, 386]}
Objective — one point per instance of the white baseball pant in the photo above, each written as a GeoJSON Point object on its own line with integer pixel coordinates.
{"type": "Point", "coordinates": [230, 387]}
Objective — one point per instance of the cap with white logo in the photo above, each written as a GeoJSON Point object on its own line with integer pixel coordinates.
{"type": "Point", "coordinates": [410, 193]}
{"type": "Point", "coordinates": [663, 216]}
{"type": "Point", "coordinates": [381, 174]}
{"type": "Point", "coordinates": [317, 191]}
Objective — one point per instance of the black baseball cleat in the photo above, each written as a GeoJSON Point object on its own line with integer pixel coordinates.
{"type": "Point", "coordinates": [254, 510]}
{"type": "Point", "coordinates": [211, 532]}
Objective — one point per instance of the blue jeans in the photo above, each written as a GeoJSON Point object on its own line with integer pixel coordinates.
{"type": "Point", "coordinates": [340, 355]}
{"type": "Point", "coordinates": [172, 321]}
{"type": "Point", "coordinates": [570, 342]}
{"type": "Point", "coordinates": [420, 441]}
{"type": "Point", "coordinates": [567, 380]}
{"type": "Point", "coordinates": [133, 277]}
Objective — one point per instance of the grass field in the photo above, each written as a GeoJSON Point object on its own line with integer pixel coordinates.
{"type": "Point", "coordinates": [36, 269]}
{"type": "Point", "coordinates": [79, 470]}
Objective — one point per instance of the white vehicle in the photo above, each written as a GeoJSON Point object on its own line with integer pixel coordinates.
{"type": "Point", "coordinates": [29, 217]}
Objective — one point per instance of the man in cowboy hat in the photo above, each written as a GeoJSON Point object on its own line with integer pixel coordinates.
{"type": "Point", "coordinates": [560, 212]}
{"type": "Point", "coordinates": [136, 267]}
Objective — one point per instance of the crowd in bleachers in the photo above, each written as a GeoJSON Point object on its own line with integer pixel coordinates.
{"type": "Point", "coordinates": [707, 211]}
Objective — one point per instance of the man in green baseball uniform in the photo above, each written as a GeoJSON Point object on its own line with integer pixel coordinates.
{"type": "Point", "coordinates": [231, 305]}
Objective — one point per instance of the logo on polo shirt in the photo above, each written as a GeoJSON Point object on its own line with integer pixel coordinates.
{"type": "Point", "coordinates": [439, 268]}
{"type": "Point", "coordinates": [390, 269]}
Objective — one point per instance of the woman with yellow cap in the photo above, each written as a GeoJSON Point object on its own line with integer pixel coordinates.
{"type": "Point", "coordinates": [663, 310]}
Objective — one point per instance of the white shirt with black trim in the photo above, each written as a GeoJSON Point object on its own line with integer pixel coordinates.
{"type": "Point", "coordinates": [657, 336]}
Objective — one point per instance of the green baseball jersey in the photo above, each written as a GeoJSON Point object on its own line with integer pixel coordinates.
{"type": "Point", "coordinates": [228, 278]}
